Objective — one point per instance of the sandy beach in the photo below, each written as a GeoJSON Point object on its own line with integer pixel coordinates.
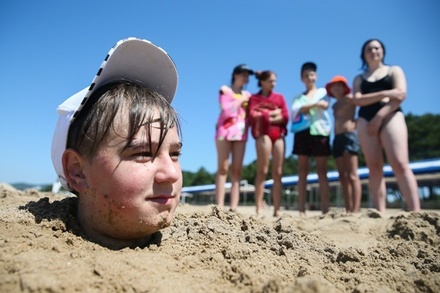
{"type": "Point", "coordinates": [209, 250]}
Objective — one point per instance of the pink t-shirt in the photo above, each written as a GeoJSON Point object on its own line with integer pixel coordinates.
{"type": "Point", "coordinates": [232, 123]}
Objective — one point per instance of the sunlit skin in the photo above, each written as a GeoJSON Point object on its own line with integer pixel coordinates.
{"type": "Point", "coordinates": [265, 148]}
{"type": "Point", "coordinates": [309, 78]}
{"type": "Point", "coordinates": [126, 195]}
{"type": "Point", "coordinates": [387, 131]}
{"type": "Point", "coordinates": [344, 112]}
{"type": "Point", "coordinates": [236, 150]}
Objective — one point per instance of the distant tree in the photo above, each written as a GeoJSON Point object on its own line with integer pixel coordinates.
{"type": "Point", "coordinates": [423, 136]}
{"type": "Point", "coordinates": [290, 166]}
{"type": "Point", "coordinates": [202, 177]}
{"type": "Point", "coordinates": [249, 171]}
{"type": "Point", "coordinates": [188, 178]}
{"type": "Point", "coordinates": [46, 187]}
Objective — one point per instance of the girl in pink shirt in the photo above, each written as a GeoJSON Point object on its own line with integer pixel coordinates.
{"type": "Point", "coordinates": [231, 134]}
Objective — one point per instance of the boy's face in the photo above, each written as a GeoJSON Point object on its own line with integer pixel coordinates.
{"type": "Point", "coordinates": [309, 77]}
{"type": "Point", "coordinates": [241, 78]}
{"type": "Point", "coordinates": [128, 194]}
{"type": "Point", "coordinates": [337, 89]}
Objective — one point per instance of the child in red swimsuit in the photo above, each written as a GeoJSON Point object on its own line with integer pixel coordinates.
{"type": "Point", "coordinates": [268, 116]}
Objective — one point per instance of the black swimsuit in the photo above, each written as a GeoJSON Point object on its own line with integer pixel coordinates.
{"type": "Point", "coordinates": [385, 83]}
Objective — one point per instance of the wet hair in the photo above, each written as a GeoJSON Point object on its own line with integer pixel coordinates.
{"type": "Point", "coordinates": [263, 75]}
{"type": "Point", "coordinates": [141, 105]}
{"type": "Point", "coordinates": [364, 62]}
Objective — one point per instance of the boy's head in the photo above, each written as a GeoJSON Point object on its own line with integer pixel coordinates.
{"type": "Point", "coordinates": [308, 66]}
{"type": "Point", "coordinates": [116, 145]}
{"type": "Point", "coordinates": [308, 73]}
{"type": "Point", "coordinates": [337, 87]}
{"type": "Point", "coordinates": [241, 71]}
{"type": "Point", "coordinates": [130, 60]}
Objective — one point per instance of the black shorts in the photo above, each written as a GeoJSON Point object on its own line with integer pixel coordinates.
{"type": "Point", "coordinates": [347, 141]}
{"type": "Point", "coordinates": [311, 145]}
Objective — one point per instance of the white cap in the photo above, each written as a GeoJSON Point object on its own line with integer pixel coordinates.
{"type": "Point", "coordinates": [131, 59]}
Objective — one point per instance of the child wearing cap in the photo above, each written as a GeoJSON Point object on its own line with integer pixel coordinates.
{"type": "Point", "coordinates": [117, 145]}
{"type": "Point", "coordinates": [312, 137]}
{"type": "Point", "coordinates": [231, 133]}
{"type": "Point", "coordinates": [346, 144]}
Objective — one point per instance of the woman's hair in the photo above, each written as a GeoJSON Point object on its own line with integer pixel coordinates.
{"type": "Point", "coordinates": [89, 130]}
{"type": "Point", "coordinates": [263, 75]}
{"type": "Point", "coordinates": [364, 62]}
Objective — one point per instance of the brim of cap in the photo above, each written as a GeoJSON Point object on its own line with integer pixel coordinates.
{"type": "Point", "coordinates": [251, 72]}
{"type": "Point", "coordinates": [132, 59]}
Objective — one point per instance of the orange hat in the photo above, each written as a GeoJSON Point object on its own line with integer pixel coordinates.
{"type": "Point", "coordinates": [338, 78]}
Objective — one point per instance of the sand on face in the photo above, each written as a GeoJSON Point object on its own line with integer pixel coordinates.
{"type": "Point", "coordinates": [208, 250]}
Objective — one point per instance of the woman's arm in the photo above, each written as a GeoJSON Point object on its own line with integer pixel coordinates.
{"type": "Point", "coordinates": [360, 99]}
{"type": "Point", "coordinates": [397, 93]}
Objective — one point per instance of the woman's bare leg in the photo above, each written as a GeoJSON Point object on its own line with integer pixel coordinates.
{"type": "Point", "coordinates": [278, 152]}
{"type": "Point", "coordinates": [238, 149]}
{"type": "Point", "coordinates": [394, 137]}
{"type": "Point", "coordinates": [263, 146]}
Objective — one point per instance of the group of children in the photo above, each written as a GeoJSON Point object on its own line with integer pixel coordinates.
{"type": "Point", "coordinates": [267, 115]}
{"type": "Point", "coordinates": [312, 127]}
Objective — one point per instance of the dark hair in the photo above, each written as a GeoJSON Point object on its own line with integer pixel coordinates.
{"type": "Point", "coordinates": [89, 130]}
{"type": "Point", "coordinates": [364, 62]}
{"type": "Point", "coordinates": [240, 69]}
{"type": "Point", "coordinates": [308, 66]}
{"type": "Point", "coordinates": [263, 75]}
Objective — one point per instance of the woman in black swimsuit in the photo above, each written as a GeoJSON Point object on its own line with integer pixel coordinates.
{"type": "Point", "coordinates": [379, 91]}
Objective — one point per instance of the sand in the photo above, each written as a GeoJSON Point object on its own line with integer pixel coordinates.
{"type": "Point", "coordinates": [208, 250]}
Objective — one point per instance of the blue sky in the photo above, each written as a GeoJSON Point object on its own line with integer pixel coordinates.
{"type": "Point", "coordinates": [49, 50]}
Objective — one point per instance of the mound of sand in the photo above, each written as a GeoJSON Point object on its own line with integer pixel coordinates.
{"type": "Point", "coordinates": [208, 250]}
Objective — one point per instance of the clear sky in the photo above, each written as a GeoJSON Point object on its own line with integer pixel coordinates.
{"type": "Point", "coordinates": [49, 50]}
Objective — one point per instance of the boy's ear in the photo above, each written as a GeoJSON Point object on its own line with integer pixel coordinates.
{"type": "Point", "coordinates": [73, 164]}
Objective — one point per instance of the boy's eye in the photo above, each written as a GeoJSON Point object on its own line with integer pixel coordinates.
{"type": "Point", "coordinates": [143, 154]}
{"type": "Point", "coordinates": [176, 154]}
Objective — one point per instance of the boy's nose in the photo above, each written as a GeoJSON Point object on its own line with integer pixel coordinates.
{"type": "Point", "coordinates": [168, 171]}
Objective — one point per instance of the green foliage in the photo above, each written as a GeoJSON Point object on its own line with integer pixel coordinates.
{"type": "Point", "coordinates": [290, 166]}
{"type": "Point", "coordinates": [423, 139]}
{"type": "Point", "coordinates": [423, 136]}
{"type": "Point", "coordinates": [249, 171]}
{"type": "Point", "coordinates": [201, 177]}
{"type": "Point", "coordinates": [46, 187]}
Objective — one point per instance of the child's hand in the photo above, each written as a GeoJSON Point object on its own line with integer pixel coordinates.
{"type": "Point", "coordinates": [348, 99]}
{"type": "Point", "coordinates": [275, 112]}
{"type": "Point", "coordinates": [374, 126]}
{"type": "Point", "coordinates": [322, 104]}
{"type": "Point", "coordinates": [396, 94]}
